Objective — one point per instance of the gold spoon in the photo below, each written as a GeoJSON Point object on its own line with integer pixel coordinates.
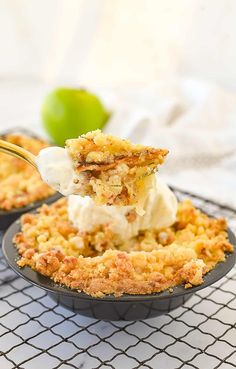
{"type": "Point", "coordinates": [18, 152]}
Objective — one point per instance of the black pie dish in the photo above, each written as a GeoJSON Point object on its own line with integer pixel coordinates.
{"type": "Point", "coordinates": [126, 307]}
{"type": "Point", "coordinates": [8, 217]}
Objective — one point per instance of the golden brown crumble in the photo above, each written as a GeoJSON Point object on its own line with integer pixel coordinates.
{"type": "Point", "coordinates": [20, 184]}
{"type": "Point", "coordinates": [111, 170]}
{"type": "Point", "coordinates": [98, 264]}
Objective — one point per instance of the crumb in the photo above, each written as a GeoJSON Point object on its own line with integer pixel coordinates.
{"type": "Point", "coordinates": [131, 216]}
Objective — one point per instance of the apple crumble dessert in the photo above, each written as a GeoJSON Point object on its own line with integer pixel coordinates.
{"type": "Point", "coordinates": [110, 170]}
{"type": "Point", "coordinates": [98, 263]}
{"type": "Point", "coordinates": [20, 184]}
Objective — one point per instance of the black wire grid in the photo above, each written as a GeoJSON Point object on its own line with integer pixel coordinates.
{"type": "Point", "coordinates": [36, 333]}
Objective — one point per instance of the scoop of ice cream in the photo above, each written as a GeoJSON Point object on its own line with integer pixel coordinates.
{"type": "Point", "coordinates": [56, 169]}
{"type": "Point", "coordinates": [160, 209]}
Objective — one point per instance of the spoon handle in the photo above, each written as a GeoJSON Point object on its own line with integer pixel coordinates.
{"type": "Point", "coordinates": [18, 152]}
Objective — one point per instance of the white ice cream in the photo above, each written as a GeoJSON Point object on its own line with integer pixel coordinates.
{"type": "Point", "coordinates": [160, 211]}
{"type": "Point", "coordinates": [56, 169]}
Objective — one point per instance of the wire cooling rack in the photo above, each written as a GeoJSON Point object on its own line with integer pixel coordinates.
{"type": "Point", "coordinates": [36, 333]}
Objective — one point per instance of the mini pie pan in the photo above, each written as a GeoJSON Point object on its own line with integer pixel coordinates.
{"type": "Point", "coordinates": [126, 307]}
{"type": "Point", "coordinates": [8, 217]}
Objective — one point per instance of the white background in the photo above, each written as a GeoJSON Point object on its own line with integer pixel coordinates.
{"type": "Point", "coordinates": [119, 42]}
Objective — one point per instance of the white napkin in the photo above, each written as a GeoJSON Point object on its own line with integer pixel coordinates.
{"type": "Point", "coordinates": [196, 121]}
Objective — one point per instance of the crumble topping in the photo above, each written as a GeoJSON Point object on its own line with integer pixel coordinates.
{"type": "Point", "coordinates": [20, 184]}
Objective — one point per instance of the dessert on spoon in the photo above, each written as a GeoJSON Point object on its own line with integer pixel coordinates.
{"type": "Point", "coordinates": [110, 170]}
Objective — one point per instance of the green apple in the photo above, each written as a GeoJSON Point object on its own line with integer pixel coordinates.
{"type": "Point", "coordinates": [68, 113]}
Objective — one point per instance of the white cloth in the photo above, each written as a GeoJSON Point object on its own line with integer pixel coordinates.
{"type": "Point", "coordinates": [195, 121]}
